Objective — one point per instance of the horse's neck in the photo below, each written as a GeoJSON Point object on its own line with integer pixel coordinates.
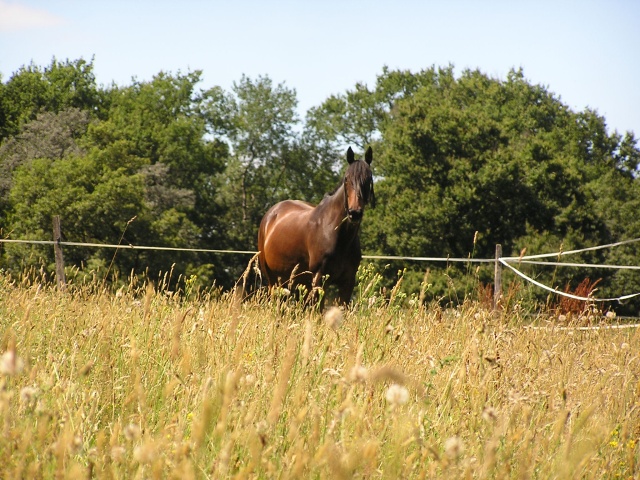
{"type": "Point", "coordinates": [333, 207]}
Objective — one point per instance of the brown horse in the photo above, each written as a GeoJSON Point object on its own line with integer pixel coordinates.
{"type": "Point", "coordinates": [300, 244]}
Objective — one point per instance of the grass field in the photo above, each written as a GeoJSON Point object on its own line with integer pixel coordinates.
{"type": "Point", "coordinates": [145, 384]}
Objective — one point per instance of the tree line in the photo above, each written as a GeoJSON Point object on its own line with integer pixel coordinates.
{"type": "Point", "coordinates": [461, 162]}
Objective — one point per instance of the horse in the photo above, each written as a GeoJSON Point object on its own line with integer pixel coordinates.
{"type": "Point", "coordinates": [300, 244]}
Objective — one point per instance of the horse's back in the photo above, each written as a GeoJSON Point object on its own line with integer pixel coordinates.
{"type": "Point", "coordinates": [280, 214]}
{"type": "Point", "coordinates": [282, 238]}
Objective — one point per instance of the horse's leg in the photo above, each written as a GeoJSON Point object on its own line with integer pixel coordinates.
{"type": "Point", "coordinates": [315, 297]}
{"type": "Point", "coordinates": [267, 276]}
{"type": "Point", "coordinates": [316, 284]}
{"type": "Point", "coordinates": [345, 290]}
{"type": "Point", "coordinates": [347, 282]}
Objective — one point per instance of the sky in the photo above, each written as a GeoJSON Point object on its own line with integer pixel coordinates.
{"type": "Point", "coordinates": [586, 52]}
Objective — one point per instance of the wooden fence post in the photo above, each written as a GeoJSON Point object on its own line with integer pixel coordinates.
{"type": "Point", "coordinates": [497, 275]}
{"type": "Point", "coordinates": [57, 249]}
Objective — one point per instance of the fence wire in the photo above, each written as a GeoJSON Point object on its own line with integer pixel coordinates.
{"type": "Point", "coordinates": [528, 259]}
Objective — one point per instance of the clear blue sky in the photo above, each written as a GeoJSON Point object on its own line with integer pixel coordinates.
{"type": "Point", "coordinates": [586, 52]}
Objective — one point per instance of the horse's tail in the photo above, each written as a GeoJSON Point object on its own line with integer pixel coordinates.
{"type": "Point", "coordinates": [261, 261]}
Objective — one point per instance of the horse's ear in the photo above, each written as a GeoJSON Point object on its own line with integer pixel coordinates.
{"type": "Point", "coordinates": [350, 156]}
{"type": "Point", "coordinates": [368, 156]}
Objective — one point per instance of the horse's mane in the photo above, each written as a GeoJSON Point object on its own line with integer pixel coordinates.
{"type": "Point", "coordinates": [361, 175]}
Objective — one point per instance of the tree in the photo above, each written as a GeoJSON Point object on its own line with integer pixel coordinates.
{"type": "Point", "coordinates": [149, 159]}
{"type": "Point", "coordinates": [505, 159]}
{"type": "Point", "coordinates": [345, 120]}
{"type": "Point", "coordinates": [94, 202]}
{"type": "Point", "coordinates": [461, 163]}
{"type": "Point", "coordinates": [50, 135]}
{"type": "Point", "coordinates": [270, 161]}
{"type": "Point", "coordinates": [60, 86]}
{"type": "Point", "coordinates": [357, 117]}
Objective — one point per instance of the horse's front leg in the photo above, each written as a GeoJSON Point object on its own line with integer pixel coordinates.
{"type": "Point", "coordinates": [316, 286]}
{"type": "Point", "coordinates": [317, 280]}
{"type": "Point", "coordinates": [347, 282]}
{"type": "Point", "coordinates": [316, 295]}
{"type": "Point", "coordinates": [345, 290]}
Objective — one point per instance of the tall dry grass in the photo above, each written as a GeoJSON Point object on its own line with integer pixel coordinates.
{"type": "Point", "coordinates": [142, 384]}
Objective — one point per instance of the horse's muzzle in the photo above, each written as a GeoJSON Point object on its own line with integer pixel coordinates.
{"type": "Point", "coordinates": [355, 215]}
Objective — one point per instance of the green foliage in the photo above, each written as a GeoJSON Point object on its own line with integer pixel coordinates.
{"type": "Point", "coordinates": [94, 202]}
{"type": "Point", "coordinates": [270, 161]}
{"type": "Point", "coordinates": [50, 135]}
{"type": "Point", "coordinates": [505, 159]}
{"type": "Point", "coordinates": [59, 86]}
{"type": "Point", "coordinates": [149, 159]}
{"type": "Point", "coordinates": [462, 162]}
{"type": "Point", "coordinates": [345, 120]}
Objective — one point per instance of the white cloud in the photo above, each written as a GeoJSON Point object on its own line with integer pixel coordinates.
{"type": "Point", "coordinates": [15, 17]}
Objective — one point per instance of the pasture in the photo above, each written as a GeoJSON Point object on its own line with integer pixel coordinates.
{"type": "Point", "coordinates": [143, 383]}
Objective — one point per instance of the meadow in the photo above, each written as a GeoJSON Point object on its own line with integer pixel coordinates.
{"type": "Point", "coordinates": [146, 383]}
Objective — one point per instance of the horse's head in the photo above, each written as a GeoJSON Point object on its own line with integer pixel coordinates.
{"type": "Point", "coordinates": [358, 185]}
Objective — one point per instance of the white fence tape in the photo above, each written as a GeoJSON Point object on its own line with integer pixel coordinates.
{"type": "Point", "coordinates": [127, 246]}
{"type": "Point", "coordinates": [429, 259]}
{"type": "Point", "coordinates": [529, 259]}
{"type": "Point", "coordinates": [570, 252]}
{"type": "Point", "coordinates": [581, 265]}
{"type": "Point", "coordinates": [564, 294]}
